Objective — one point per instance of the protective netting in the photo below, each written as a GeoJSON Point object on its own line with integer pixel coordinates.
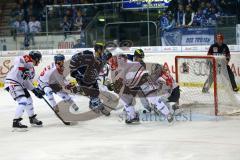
{"type": "Point", "coordinates": [201, 90]}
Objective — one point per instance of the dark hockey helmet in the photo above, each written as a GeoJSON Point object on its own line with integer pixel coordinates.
{"type": "Point", "coordinates": [139, 53]}
{"type": "Point", "coordinates": [36, 56]}
{"type": "Point", "coordinates": [107, 55]}
{"type": "Point", "coordinates": [98, 46]}
{"type": "Point", "coordinates": [59, 57]}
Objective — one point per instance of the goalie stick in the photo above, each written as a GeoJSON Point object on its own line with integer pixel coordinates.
{"type": "Point", "coordinates": [64, 122]}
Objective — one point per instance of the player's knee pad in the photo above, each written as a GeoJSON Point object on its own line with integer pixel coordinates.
{"type": "Point", "coordinates": [22, 101]}
{"type": "Point", "coordinates": [29, 101]}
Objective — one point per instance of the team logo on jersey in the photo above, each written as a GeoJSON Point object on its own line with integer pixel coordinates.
{"type": "Point", "coordinates": [215, 49]}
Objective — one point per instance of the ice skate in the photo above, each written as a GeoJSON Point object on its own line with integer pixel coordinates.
{"type": "Point", "coordinates": [35, 122]}
{"type": "Point", "coordinates": [133, 120]}
{"type": "Point", "coordinates": [104, 111]}
{"type": "Point", "coordinates": [147, 109]}
{"type": "Point", "coordinates": [98, 107]}
{"type": "Point", "coordinates": [18, 126]}
{"type": "Point", "coordinates": [170, 118]}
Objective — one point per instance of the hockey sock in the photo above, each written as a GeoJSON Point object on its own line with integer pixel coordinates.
{"type": "Point", "coordinates": [22, 103]}
{"type": "Point", "coordinates": [29, 107]}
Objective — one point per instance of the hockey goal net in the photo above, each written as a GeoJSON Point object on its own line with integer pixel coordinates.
{"type": "Point", "coordinates": [205, 84]}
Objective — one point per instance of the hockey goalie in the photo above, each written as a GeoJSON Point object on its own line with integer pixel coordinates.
{"type": "Point", "coordinates": [129, 79]}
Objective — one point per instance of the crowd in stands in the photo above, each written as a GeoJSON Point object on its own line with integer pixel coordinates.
{"type": "Point", "coordinates": [196, 13]}
{"type": "Point", "coordinates": [28, 16]}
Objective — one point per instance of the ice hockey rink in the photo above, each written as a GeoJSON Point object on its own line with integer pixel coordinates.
{"type": "Point", "coordinates": [108, 138]}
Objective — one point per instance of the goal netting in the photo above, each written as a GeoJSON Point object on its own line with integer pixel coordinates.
{"type": "Point", "coordinates": [205, 84]}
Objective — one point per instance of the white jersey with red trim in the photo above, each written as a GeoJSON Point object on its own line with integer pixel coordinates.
{"type": "Point", "coordinates": [166, 84]}
{"type": "Point", "coordinates": [130, 72]}
{"type": "Point", "coordinates": [51, 75]}
{"type": "Point", "coordinates": [14, 77]}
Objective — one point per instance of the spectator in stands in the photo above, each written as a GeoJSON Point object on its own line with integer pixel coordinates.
{"type": "Point", "coordinates": [188, 16]}
{"type": "Point", "coordinates": [207, 10]}
{"type": "Point", "coordinates": [17, 11]}
{"type": "Point", "coordinates": [195, 5]}
{"type": "Point", "coordinates": [15, 27]}
{"type": "Point", "coordinates": [34, 27]}
{"type": "Point", "coordinates": [199, 19]}
{"type": "Point", "coordinates": [66, 26]}
{"type": "Point", "coordinates": [23, 27]}
{"type": "Point", "coordinates": [167, 21]}
{"type": "Point", "coordinates": [78, 22]}
{"type": "Point", "coordinates": [79, 44]}
{"type": "Point", "coordinates": [228, 7]}
{"type": "Point", "coordinates": [180, 15]}
{"type": "Point", "coordinates": [214, 14]}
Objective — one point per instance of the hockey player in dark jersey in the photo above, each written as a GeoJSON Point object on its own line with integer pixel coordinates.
{"type": "Point", "coordinates": [220, 49]}
{"type": "Point", "coordinates": [85, 68]}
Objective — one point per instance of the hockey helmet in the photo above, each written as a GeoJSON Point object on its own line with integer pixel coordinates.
{"type": "Point", "coordinates": [98, 46]}
{"type": "Point", "coordinates": [139, 53]}
{"type": "Point", "coordinates": [59, 57]}
{"type": "Point", "coordinates": [107, 55]}
{"type": "Point", "coordinates": [36, 56]}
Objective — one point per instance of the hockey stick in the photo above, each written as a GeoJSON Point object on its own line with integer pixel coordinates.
{"type": "Point", "coordinates": [64, 122]}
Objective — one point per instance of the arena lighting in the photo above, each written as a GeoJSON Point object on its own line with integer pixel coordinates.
{"type": "Point", "coordinates": [101, 19]}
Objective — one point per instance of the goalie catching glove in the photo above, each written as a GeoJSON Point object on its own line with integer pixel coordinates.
{"type": "Point", "coordinates": [116, 86]}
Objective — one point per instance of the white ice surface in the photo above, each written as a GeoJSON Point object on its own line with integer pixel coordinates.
{"type": "Point", "coordinates": [109, 139]}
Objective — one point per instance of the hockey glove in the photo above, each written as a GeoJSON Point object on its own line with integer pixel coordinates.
{"type": "Point", "coordinates": [117, 85]}
{"type": "Point", "coordinates": [26, 74]}
{"type": "Point", "coordinates": [71, 87]}
{"type": "Point", "coordinates": [38, 93]}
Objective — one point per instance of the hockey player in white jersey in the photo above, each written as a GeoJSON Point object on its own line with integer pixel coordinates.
{"type": "Point", "coordinates": [18, 81]}
{"type": "Point", "coordinates": [52, 80]}
{"type": "Point", "coordinates": [167, 86]}
{"type": "Point", "coordinates": [128, 79]}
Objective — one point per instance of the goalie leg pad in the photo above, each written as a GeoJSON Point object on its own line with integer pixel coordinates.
{"type": "Point", "coordinates": [160, 106]}
{"type": "Point", "coordinates": [148, 87]}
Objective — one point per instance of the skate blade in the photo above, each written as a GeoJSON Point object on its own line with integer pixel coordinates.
{"type": "Point", "coordinates": [105, 114]}
{"type": "Point", "coordinates": [36, 126]}
{"type": "Point", "coordinates": [133, 123]}
{"type": "Point", "coordinates": [19, 130]}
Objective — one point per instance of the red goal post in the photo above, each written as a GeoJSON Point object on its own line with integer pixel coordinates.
{"type": "Point", "coordinates": [192, 84]}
